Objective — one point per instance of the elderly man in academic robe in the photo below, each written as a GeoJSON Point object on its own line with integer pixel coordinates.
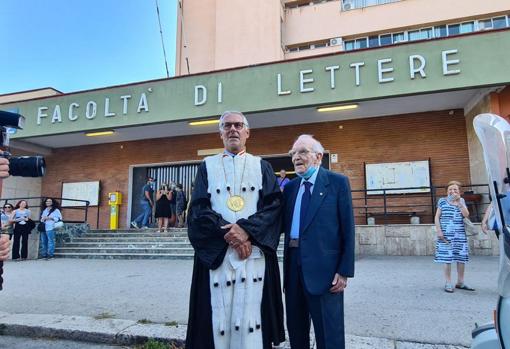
{"type": "Point", "coordinates": [234, 226]}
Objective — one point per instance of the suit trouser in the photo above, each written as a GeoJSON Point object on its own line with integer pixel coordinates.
{"type": "Point", "coordinates": [326, 311]}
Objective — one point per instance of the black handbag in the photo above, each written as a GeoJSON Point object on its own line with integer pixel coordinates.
{"type": "Point", "coordinates": [30, 225]}
{"type": "Point", "coordinates": [41, 227]}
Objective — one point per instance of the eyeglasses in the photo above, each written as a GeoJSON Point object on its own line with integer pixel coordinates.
{"type": "Point", "coordinates": [300, 152]}
{"type": "Point", "coordinates": [228, 125]}
{"type": "Point", "coordinates": [7, 206]}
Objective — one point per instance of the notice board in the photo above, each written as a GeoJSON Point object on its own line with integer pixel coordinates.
{"type": "Point", "coordinates": [80, 191]}
{"type": "Point", "coordinates": [391, 175]}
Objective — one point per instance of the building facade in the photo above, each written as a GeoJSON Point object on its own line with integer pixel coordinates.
{"type": "Point", "coordinates": [405, 80]}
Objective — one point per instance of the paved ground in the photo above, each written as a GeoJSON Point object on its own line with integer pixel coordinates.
{"type": "Point", "coordinates": [398, 298]}
{"type": "Point", "coordinates": [7, 342]}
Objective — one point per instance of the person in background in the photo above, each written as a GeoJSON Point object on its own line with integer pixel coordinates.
{"type": "Point", "coordinates": [452, 244]}
{"type": "Point", "coordinates": [173, 205]}
{"type": "Point", "coordinates": [6, 219]}
{"type": "Point", "coordinates": [5, 244]}
{"type": "Point", "coordinates": [283, 180]}
{"type": "Point", "coordinates": [51, 214]}
{"type": "Point", "coordinates": [180, 205]}
{"type": "Point", "coordinates": [163, 212]}
{"type": "Point", "coordinates": [147, 203]}
{"type": "Point", "coordinates": [22, 229]}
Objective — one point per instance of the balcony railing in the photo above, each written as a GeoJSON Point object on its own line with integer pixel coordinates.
{"type": "Point", "coordinates": [348, 5]}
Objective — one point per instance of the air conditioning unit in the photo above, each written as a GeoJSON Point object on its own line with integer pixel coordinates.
{"type": "Point", "coordinates": [348, 5]}
{"type": "Point", "coordinates": [335, 42]}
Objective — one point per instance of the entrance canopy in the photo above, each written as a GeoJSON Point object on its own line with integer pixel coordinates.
{"type": "Point", "coordinates": [407, 78]}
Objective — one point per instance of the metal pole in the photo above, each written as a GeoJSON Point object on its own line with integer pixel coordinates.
{"type": "Point", "coordinates": [385, 208]}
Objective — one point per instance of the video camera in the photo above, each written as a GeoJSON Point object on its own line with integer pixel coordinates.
{"type": "Point", "coordinates": [24, 166]}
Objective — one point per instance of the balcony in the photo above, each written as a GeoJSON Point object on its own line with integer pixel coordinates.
{"type": "Point", "coordinates": [348, 5]}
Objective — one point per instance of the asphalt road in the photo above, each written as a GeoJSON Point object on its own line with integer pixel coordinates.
{"type": "Point", "coordinates": [398, 298]}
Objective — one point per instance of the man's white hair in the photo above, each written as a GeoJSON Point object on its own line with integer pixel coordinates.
{"type": "Point", "coordinates": [229, 112]}
{"type": "Point", "coordinates": [316, 145]}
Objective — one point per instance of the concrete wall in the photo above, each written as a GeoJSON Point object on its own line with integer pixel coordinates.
{"type": "Point", "coordinates": [222, 34]}
{"type": "Point", "coordinates": [215, 34]}
{"type": "Point", "coordinates": [413, 240]}
{"type": "Point", "coordinates": [321, 21]}
{"type": "Point", "coordinates": [23, 187]}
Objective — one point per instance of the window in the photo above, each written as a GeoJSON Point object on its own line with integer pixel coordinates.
{"type": "Point", "coordinates": [440, 31]}
{"type": "Point", "coordinates": [399, 37]}
{"type": "Point", "coordinates": [361, 43]}
{"type": "Point", "coordinates": [319, 45]}
{"type": "Point", "coordinates": [499, 22]}
{"type": "Point", "coordinates": [349, 45]}
{"type": "Point", "coordinates": [467, 27]}
{"type": "Point", "coordinates": [385, 39]}
{"type": "Point", "coordinates": [373, 41]}
{"type": "Point", "coordinates": [293, 49]}
{"type": "Point", "coordinates": [426, 33]}
{"type": "Point", "coordinates": [485, 24]}
{"type": "Point", "coordinates": [453, 29]}
{"type": "Point", "coordinates": [414, 35]}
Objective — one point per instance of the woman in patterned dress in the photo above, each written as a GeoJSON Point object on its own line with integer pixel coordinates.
{"type": "Point", "coordinates": [452, 244]}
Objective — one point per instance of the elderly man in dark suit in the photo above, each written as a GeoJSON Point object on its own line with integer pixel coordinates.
{"type": "Point", "coordinates": [319, 248]}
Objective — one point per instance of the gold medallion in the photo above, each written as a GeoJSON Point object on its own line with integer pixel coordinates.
{"type": "Point", "coordinates": [235, 203]}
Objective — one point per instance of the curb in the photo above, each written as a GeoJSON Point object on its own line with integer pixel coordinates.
{"type": "Point", "coordinates": [130, 332]}
{"type": "Point", "coordinates": [88, 329]}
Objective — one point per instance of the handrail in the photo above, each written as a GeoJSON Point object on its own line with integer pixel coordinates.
{"type": "Point", "coordinates": [82, 205]}
{"type": "Point", "coordinates": [413, 199]}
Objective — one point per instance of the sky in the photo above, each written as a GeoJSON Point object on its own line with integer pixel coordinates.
{"type": "Point", "coordinates": [74, 45]}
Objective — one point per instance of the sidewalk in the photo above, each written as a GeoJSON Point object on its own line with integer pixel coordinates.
{"type": "Point", "coordinates": [128, 332]}
{"type": "Point", "coordinates": [397, 298]}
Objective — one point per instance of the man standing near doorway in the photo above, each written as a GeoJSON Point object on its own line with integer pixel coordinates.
{"type": "Point", "coordinates": [283, 180]}
{"type": "Point", "coordinates": [319, 248]}
{"type": "Point", "coordinates": [234, 226]}
{"type": "Point", "coordinates": [147, 203]}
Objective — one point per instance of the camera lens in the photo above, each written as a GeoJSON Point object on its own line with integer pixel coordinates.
{"type": "Point", "coordinates": [27, 166]}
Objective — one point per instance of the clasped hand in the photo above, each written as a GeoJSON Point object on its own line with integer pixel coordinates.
{"type": "Point", "coordinates": [237, 237]}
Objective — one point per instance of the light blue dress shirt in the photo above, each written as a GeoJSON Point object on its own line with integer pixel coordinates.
{"type": "Point", "coordinates": [296, 216]}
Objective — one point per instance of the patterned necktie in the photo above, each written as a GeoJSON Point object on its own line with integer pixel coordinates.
{"type": "Point", "coordinates": [305, 202]}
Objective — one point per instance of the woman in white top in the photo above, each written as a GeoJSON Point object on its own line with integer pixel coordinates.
{"type": "Point", "coordinates": [50, 215]}
{"type": "Point", "coordinates": [6, 219]}
{"type": "Point", "coordinates": [22, 227]}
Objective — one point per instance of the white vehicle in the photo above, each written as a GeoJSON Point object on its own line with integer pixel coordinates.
{"type": "Point", "coordinates": [494, 134]}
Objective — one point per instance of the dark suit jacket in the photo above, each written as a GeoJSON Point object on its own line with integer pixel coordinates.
{"type": "Point", "coordinates": [327, 238]}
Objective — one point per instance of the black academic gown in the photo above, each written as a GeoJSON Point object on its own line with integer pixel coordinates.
{"type": "Point", "coordinates": [206, 236]}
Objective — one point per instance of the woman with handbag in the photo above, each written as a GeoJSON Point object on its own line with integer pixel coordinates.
{"type": "Point", "coordinates": [50, 215]}
{"type": "Point", "coordinates": [452, 244]}
{"type": "Point", "coordinates": [23, 225]}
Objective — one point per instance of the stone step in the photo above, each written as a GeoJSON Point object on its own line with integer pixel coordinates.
{"type": "Point", "coordinates": [123, 255]}
{"type": "Point", "coordinates": [138, 231]}
{"type": "Point", "coordinates": [130, 250]}
{"type": "Point", "coordinates": [130, 256]}
{"type": "Point", "coordinates": [128, 244]}
{"type": "Point", "coordinates": [128, 240]}
{"type": "Point", "coordinates": [134, 235]}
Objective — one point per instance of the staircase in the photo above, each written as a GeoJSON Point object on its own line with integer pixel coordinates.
{"type": "Point", "coordinates": [131, 244]}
